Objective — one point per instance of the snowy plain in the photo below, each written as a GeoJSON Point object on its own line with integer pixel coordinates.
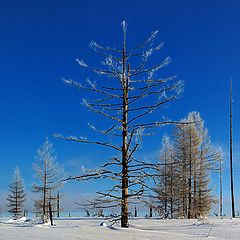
{"type": "Point", "coordinates": [140, 229]}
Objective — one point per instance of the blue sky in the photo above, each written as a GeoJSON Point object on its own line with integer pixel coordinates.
{"type": "Point", "coordinates": [39, 41]}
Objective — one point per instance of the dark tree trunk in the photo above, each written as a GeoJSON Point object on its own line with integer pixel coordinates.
{"type": "Point", "coordinates": [165, 187]}
{"type": "Point", "coordinates": [150, 213]}
{"type": "Point", "coordinates": [16, 202]}
{"type": "Point", "coordinates": [195, 195]}
{"type": "Point", "coordinates": [200, 201]}
{"type": "Point", "coordinates": [220, 183]}
{"type": "Point", "coordinates": [44, 193]}
{"type": "Point", "coordinates": [124, 208]}
{"type": "Point", "coordinates": [135, 212]}
{"type": "Point", "coordinates": [171, 186]}
{"type": "Point", "coordinates": [231, 155]}
{"type": "Point", "coordinates": [190, 181]}
{"type": "Point", "coordinates": [58, 205]}
{"type": "Point", "coordinates": [50, 213]}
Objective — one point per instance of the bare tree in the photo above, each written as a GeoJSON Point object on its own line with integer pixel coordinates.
{"type": "Point", "coordinates": [16, 196]}
{"type": "Point", "coordinates": [126, 101]}
{"type": "Point", "coordinates": [48, 175]}
{"type": "Point", "coordinates": [231, 153]}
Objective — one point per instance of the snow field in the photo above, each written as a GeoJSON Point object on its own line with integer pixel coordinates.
{"type": "Point", "coordinates": [140, 229]}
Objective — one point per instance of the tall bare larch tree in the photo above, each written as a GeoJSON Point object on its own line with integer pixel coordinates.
{"type": "Point", "coordinates": [125, 100]}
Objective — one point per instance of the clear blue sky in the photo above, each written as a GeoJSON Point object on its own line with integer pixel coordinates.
{"type": "Point", "coordinates": [39, 41]}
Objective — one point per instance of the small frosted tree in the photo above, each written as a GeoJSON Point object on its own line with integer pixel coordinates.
{"type": "Point", "coordinates": [16, 196]}
{"type": "Point", "coordinates": [48, 175]}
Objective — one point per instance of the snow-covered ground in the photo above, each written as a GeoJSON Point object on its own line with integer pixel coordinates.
{"type": "Point", "coordinates": [140, 229]}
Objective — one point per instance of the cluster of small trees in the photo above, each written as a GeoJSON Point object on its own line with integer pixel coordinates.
{"type": "Point", "coordinates": [182, 182]}
{"type": "Point", "coordinates": [48, 176]}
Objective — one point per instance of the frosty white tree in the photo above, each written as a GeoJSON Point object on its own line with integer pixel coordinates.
{"type": "Point", "coordinates": [166, 186]}
{"type": "Point", "coordinates": [48, 175]}
{"type": "Point", "coordinates": [125, 100]}
{"type": "Point", "coordinates": [16, 196]}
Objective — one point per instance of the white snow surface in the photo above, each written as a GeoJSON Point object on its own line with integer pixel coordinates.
{"type": "Point", "coordinates": [140, 229]}
{"type": "Point", "coordinates": [20, 220]}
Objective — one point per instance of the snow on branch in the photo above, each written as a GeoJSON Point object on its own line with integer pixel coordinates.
{"type": "Point", "coordinates": [179, 87]}
{"type": "Point", "coordinates": [92, 84]}
{"type": "Point", "coordinates": [81, 62]}
{"type": "Point", "coordinates": [95, 46]}
{"type": "Point", "coordinates": [124, 25]}
{"type": "Point", "coordinates": [72, 82]}
{"type": "Point", "coordinates": [84, 140]}
{"type": "Point", "coordinates": [153, 69]}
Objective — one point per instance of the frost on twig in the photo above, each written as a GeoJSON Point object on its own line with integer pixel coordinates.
{"type": "Point", "coordinates": [81, 62]}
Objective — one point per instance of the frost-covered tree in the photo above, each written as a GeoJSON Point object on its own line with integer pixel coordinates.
{"type": "Point", "coordinates": [181, 179]}
{"type": "Point", "coordinates": [126, 100]}
{"type": "Point", "coordinates": [166, 180]}
{"type": "Point", "coordinates": [197, 158]}
{"type": "Point", "coordinates": [16, 196]}
{"type": "Point", "coordinates": [48, 176]}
